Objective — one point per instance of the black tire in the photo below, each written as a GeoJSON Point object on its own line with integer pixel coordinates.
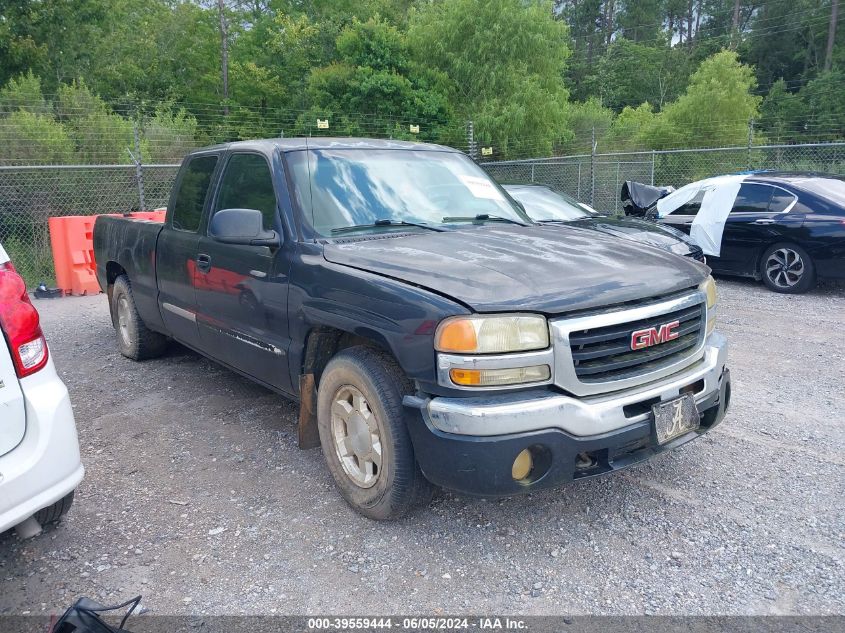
{"type": "Point", "coordinates": [399, 484]}
{"type": "Point", "coordinates": [134, 339]}
{"type": "Point", "coordinates": [53, 513]}
{"type": "Point", "coordinates": [795, 275]}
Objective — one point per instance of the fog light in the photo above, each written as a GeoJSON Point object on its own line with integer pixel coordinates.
{"type": "Point", "coordinates": [522, 465]}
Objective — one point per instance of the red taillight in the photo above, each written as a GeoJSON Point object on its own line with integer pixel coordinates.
{"type": "Point", "coordinates": [20, 323]}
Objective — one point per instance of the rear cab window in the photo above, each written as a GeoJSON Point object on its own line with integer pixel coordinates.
{"type": "Point", "coordinates": [189, 199]}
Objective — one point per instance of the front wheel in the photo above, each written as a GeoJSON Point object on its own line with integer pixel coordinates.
{"type": "Point", "coordinates": [364, 436]}
{"type": "Point", "coordinates": [787, 268]}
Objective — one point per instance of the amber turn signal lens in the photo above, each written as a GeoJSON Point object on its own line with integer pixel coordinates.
{"type": "Point", "coordinates": [499, 377]}
{"type": "Point", "coordinates": [465, 376]}
{"type": "Point", "coordinates": [457, 336]}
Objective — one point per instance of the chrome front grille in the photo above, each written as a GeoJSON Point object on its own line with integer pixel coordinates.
{"type": "Point", "coordinates": [593, 353]}
{"type": "Point", "coordinates": [605, 353]}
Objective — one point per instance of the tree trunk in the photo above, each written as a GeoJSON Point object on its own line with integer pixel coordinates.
{"type": "Point", "coordinates": [689, 23]}
{"type": "Point", "coordinates": [609, 22]}
{"type": "Point", "coordinates": [671, 29]}
{"type": "Point", "coordinates": [698, 12]}
{"type": "Point", "coordinates": [831, 34]}
{"type": "Point", "coordinates": [224, 54]}
{"type": "Point", "coordinates": [735, 26]}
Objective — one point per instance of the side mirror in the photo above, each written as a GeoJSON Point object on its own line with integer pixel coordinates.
{"type": "Point", "coordinates": [241, 226]}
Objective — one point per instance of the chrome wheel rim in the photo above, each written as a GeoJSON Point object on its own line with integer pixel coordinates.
{"type": "Point", "coordinates": [785, 268]}
{"type": "Point", "coordinates": [356, 435]}
{"type": "Point", "coordinates": [123, 319]}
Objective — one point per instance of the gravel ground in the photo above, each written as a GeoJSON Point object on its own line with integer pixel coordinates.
{"type": "Point", "coordinates": [197, 497]}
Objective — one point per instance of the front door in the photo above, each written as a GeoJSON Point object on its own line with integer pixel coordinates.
{"type": "Point", "coordinates": [242, 296]}
{"type": "Point", "coordinates": [176, 250]}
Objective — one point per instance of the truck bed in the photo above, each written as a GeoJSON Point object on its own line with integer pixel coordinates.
{"type": "Point", "coordinates": [129, 245]}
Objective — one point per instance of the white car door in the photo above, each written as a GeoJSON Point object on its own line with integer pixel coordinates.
{"type": "Point", "coordinates": [12, 412]}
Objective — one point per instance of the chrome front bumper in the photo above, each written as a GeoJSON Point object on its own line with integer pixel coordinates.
{"type": "Point", "coordinates": [501, 414]}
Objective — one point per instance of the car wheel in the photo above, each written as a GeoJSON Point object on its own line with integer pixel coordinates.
{"type": "Point", "coordinates": [787, 268]}
{"type": "Point", "coordinates": [134, 339]}
{"type": "Point", "coordinates": [364, 436]}
{"type": "Point", "coordinates": [53, 513]}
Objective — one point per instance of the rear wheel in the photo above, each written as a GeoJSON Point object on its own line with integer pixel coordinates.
{"type": "Point", "coordinates": [364, 436]}
{"type": "Point", "coordinates": [787, 268]}
{"type": "Point", "coordinates": [53, 513]}
{"type": "Point", "coordinates": [134, 339]}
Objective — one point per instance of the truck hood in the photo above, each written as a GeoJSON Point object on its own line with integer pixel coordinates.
{"type": "Point", "coordinates": [496, 268]}
{"type": "Point", "coordinates": [641, 231]}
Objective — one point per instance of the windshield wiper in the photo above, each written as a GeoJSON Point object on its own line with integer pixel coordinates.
{"type": "Point", "coordinates": [481, 217]}
{"type": "Point", "coordinates": [384, 222]}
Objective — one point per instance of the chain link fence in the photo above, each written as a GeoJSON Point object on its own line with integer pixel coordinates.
{"type": "Point", "coordinates": [29, 195]}
{"type": "Point", "coordinates": [597, 178]}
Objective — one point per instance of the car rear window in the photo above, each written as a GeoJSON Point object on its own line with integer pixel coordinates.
{"type": "Point", "coordinates": [832, 189]}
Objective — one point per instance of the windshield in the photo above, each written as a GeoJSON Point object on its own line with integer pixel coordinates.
{"type": "Point", "coordinates": [543, 204]}
{"type": "Point", "coordinates": [376, 190]}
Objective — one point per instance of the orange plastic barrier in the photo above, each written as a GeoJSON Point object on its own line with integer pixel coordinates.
{"type": "Point", "coordinates": [72, 242]}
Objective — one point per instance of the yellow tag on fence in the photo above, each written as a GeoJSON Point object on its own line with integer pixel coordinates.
{"type": "Point", "coordinates": [415, 129]}
{"type": "Point", "coordinates": [322, 124]}
{"type": "Point", "coordinates": [486, 151]}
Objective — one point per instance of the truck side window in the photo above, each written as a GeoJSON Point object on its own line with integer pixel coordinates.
{"type": "Point", "coordinates": [190, 199]}
{"type": "Point", "coordinates": [248, 184]}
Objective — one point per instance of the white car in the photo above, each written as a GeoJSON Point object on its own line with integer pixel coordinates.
{"type": "Point", "coordinates": [40, 465]}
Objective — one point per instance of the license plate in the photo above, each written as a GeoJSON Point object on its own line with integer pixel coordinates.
{"type": "Point", "coordinates": [676, 417]}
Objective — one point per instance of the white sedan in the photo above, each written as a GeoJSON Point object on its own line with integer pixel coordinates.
{"type": "Point", "coordinates": [40, 465]}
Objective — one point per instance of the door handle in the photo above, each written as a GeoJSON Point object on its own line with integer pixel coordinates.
{"type": "Point", "coordinates": [763, 221]}
{"type": "Point", "coordinates": [203, 263]}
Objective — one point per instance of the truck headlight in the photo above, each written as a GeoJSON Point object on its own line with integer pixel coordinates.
{"type": "Point", "coordinates": [708, 287]}
{"type": "Point", "coordinates": [494, 334]}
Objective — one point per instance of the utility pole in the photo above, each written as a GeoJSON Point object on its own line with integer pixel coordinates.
{"type": "Point", "coordinates": [831, 34]}
{"type": "Point", "coordinates": [224, 54]}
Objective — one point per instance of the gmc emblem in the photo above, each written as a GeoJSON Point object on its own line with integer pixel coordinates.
{"type": "Point", "coordinates": [641, 339]}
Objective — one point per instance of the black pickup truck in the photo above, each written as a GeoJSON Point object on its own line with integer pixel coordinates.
{"type": "Point", "coordinates": [431, 332]}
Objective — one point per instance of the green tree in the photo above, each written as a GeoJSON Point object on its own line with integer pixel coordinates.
{"type": "Point", "coordinates": [716, 108]}
{"type": "Point", "coordinates": [782, 114]}
{"type": "Point", "coordinates": [507, 75]}
{"type": "Point", "coordinates": [825, 108]}
{"type": "Point", "coordinates": [98, 135]}
{"type": "Point", "coordinates": [631, 74]}
{"type": "Point", "coordinates": [27, 138]}
{"type": "Point", "coordinates": [588, 120]}
{"type": "Point", "coordinates": [23, 93]}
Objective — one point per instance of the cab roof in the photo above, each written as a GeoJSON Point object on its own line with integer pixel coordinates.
{"type": "Point", "coordinates": [325, 142]}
